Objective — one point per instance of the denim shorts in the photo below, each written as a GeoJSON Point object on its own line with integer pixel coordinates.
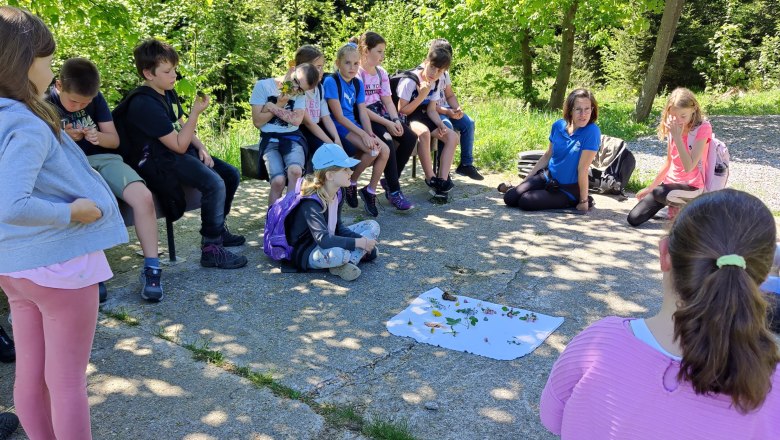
{"type": "Point", "coordinates": [276, 165]}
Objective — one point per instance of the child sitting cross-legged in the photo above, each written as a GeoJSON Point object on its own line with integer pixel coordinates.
{"type": "Point", "coordinates": [318, 237]}
{"type": "Point", "coordinates": [87, 120]}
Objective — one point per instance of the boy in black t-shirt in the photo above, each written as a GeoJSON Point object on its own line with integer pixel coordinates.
{"type": "Point", "coordinates": [87, 120]}
{"type": "Point", "coordinates": [171, 154]}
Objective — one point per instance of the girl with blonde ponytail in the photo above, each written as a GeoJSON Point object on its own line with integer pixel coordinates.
{"type": "Point", "coordinates": [706, 365]}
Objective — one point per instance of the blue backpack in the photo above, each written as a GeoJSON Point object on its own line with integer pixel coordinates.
{"type": "Point", "coordinates": [275, 243]}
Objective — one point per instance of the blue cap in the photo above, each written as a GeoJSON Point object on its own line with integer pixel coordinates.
{"type": "Point", "coordinates": [331, 155]}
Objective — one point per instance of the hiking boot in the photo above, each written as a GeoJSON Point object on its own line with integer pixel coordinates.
{"type": "Point", "coordinates": [215, 255]}
{"type": "Point", "coordinates": [229, 239]}
{"type": "Point", "coordinates": [369, 202]}
{"type": "Point", "coordinates": [102, 292]}
{"type": "Point", "coordinates": [8, 424]}
{"type": "Point", "coordinates": [469, 171]}
{"type": "Point", "coordinates": [7, 348]}
{"type": "Point", "coordinates": [400, 202]}
{"type": "Point", "coordinates": [351, 196]}
{"type": "Point", "coordinates": [347, 272]}
{"type": "Point", "coordinates": [151, 287]}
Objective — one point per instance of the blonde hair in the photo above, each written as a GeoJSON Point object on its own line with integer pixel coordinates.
{"type": "Point", "coordinates": [343, 51]}
{"type": "Point", "coordinates": [315, 184]}
{"type": "Point", "coordinates": [680, 98]}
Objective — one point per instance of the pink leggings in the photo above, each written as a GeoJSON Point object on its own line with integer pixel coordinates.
{"type": "Point", "coordinates": [53, 331]}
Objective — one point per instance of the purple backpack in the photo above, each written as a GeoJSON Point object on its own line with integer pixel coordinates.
{"type": "Point", "coordinates": [275, 236]}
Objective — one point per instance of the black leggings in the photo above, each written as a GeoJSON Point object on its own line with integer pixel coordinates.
{"type": "Point", "coordinates": [655, 201]}
{"type": "Point", "coordinates": [531, 195]}
{"type": "Point", "coordinates": [398, 157]}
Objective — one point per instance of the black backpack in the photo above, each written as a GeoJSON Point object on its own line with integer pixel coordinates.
{"type": "Point", "coordinates": [131, 153]}
{"type": "Point", "coordinates": [354, 83]}
{"type": "Point", "coordinates": [611, 168]}
{"type": "Point", "coordinates": [396, 78]}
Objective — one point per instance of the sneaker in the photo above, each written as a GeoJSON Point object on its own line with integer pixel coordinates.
{"type": "Point", "coordinates": [445, 185]}
{"type": "Point", "coordinates": [215, 255]}
{"type": "Point", "coordinates": [229, 239]}
{"type": "Point", "coordinates": [369, 202]}
{"type": "Point", "coordinates": [400, 202]}
{"type": "Point", "coordinates": [8, 424]}
{"type": "Point", "coordinates": [433, 184]}
{"type": "Point", "coordinates": [347, 272]}
{"type": "Point", "coordinates": [151, 287]}
{"type": "Point", "coordinates": [351, 193]}
{"type": "Point", "coordinates": [7, 348]}
{"type": "Point", "coordinates": [469, 171]}
{"type": "Point", "coordinates": [102, 292]}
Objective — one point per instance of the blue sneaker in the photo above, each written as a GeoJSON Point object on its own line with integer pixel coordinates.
{"type": "Point", "coordinates": [151, 285]}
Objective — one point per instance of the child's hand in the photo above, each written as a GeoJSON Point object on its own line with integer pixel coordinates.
{"type": "Point", "coordinates": [643, 193]}
{"type": "Point", "coordinates": [442, 131]}
{"type": "Point", "coordinates": [455, 113]}
{"type": "Point", "coordinates": [675, 128]}
{"type": "Point", "coordinates": [367, 244]}
{"type": "Point", "coordinates": [396, 129]}
{"type": "Point", "coordinates": [368, 141]}
{"type": "Point", "coordinates": [74, 133]}
{"type": "Point", "coordinates": [424, 88]}
{"type": "Point", "coordinates": [84, 211]}
{"type": "Point", "coordinates": [91, 135]}
{"type": "Point", "coordinates": [205, 157]}
{"type": "Point", "coordinates": [200, 103]}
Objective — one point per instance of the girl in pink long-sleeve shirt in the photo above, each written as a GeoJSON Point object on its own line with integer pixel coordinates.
{"type": "Point", "coordinates": [705, 365]}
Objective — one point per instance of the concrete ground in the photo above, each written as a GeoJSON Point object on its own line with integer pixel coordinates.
{"type": "Point", "coordinates": [324, 341]}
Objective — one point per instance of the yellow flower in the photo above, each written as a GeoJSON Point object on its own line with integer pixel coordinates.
{"type": "Point", "coordinates": [436, 313]}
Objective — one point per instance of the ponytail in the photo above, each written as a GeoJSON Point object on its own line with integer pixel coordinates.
{"type": "Point", "coordinates": [315, 184]}
{"type": "Point", "coordinates": [721, 322]}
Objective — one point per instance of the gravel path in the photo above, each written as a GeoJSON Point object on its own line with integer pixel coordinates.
{"type": "Point", "coordinates": [754, 145]}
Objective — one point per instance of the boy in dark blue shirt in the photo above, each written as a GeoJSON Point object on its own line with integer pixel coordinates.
{"type": "Point", "coordinates": [170, 153]}
{"type": "Point", "coordinates": [86, 118]}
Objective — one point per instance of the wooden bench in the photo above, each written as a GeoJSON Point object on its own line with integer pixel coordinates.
{"type": "Point", "coordinates": [192, 196]}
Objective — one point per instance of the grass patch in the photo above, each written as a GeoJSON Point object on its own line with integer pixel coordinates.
{"type": "Point", "coordinates": [122, 315]}
{"type": "Point", "coordinates": [201, 352]}
{"type": "Point", "coordinates": [385, 430]}
{"type": "Point", "coordinates": [160, 333]}
{"type": "Point", "coordinates": [637, 182]}
{"type": "Point", "coordinates": [776, 213]}
{"type": "Point", "coordinates": [342, 416]}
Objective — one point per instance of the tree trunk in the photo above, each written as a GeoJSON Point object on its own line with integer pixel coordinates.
{"type": "Point", "coordinates": [567, 54]}
{"type": "Point", "coordinates": [671, 17]}
{"type": "Point", "coordinates": [527, 63]}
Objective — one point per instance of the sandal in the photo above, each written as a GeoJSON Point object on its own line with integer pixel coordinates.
{"type": "Point", "coordinates": [503, 187]}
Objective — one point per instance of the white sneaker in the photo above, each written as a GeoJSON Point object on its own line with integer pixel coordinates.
{"type": "Point", "coordinates": [347, 272]}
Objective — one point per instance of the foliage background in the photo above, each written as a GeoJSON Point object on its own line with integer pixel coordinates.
{"type": "Point", "coordinates": [721, 46]}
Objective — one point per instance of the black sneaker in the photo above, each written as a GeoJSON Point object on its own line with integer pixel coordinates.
{"type": "Point", "coordinates": [433, 184]}
{"type": "Point", "coordinates": [7, 348]}
{"type": "Point", "coordinates": [445, 185]}
{"type": "Point", "coordinates": [369, 202]}
{"type": "Point", "coordinates": [102, 292]}
{"type": "Point", "coordinates": [151, 286]}
{"type": "Point", "coordinates": [469, 171]}
{"type": "Point", "coordinates": [230, 240]}
{"type": "Point", "coordinates": [351, 192]}
{"type": "Point", "coordinates": [215, 255]}
{"type": "Point", "coordinates": [8, 424]}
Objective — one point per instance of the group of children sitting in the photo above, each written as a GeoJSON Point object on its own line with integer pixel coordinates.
{"type": "Point", "coordinates": [353, 108]}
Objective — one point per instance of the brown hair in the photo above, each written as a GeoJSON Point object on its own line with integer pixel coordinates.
{"type": "Point", "coordinates": [307, 54]}
{"type": "Point", "coordinates": [310, 72]}
{"type": "Point", "coordinates": [80, 76]}
{"type": "Point", "coordinates": [721, 319]}
{"type": "Point", "coordinates": [568, 106]}
{"type": "Point", "coordinates": [23, 38]}
{"type": "Point", "coordinates": [680, 98]}
{"type": "Point", "coordinates": [149, 54]}
{"type": "Point", "coordinates": [439, 58]}
{"type": "Point", "coordinates": [441, 43]}
{"type": "Point", "coordinates": [367, 41]}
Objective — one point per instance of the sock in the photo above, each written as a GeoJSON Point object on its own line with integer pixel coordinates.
{"type": "Point", "coordinates": [353, 182]}
{"type": "Point", "coordinates": [370, 190]}
{"type": "Point", "coordinates": [152, 262]}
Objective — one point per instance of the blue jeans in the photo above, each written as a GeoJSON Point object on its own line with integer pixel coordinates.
{"type": "Point", "coordinates": [217, 185]}
{"type": "Point", "coordinates": [465, 126]}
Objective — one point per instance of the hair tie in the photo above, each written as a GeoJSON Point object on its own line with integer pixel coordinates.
{"type": "Point", "coordinates": [731, 260]}
{"type": "Point", "coordinates": [351, 44]}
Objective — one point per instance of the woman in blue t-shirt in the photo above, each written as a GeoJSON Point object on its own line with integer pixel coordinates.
{"type": "Point", "coordinates": [560, 178]}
